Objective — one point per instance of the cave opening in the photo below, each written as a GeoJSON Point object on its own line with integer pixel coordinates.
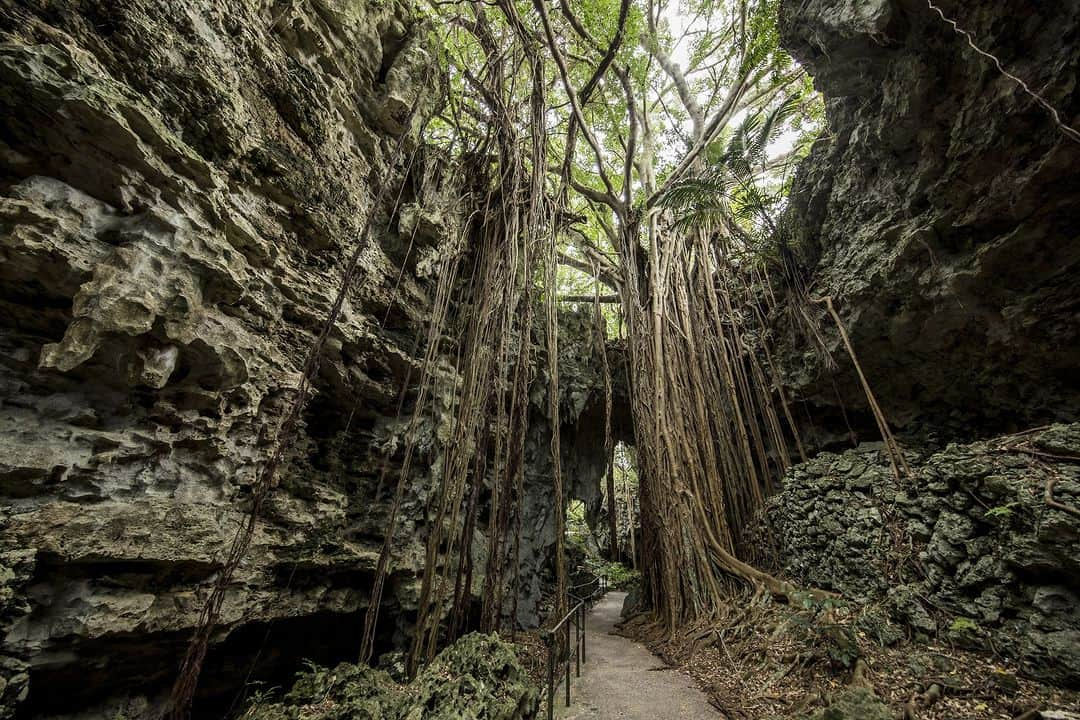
{"type": "Point", "coordinates": [588, 528]}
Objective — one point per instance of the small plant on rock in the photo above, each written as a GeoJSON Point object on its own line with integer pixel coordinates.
{"type": "Point", "coordinates": [1001, 511]}
{"type": "Point", "coordinates": [965, 631]}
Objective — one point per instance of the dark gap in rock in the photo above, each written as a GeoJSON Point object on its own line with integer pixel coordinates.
{"type": "Point", "coordinates": [146, 573]}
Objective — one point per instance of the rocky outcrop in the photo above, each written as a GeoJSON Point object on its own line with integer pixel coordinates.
{"type": "Point", "coordinates": [581, 415]}
{"type": "Point", "coordinates": [966, 548]}
{"type": "Point", "coordinates": [938, 210]}
{"type": "Point", "coordinates": [479, 676]}
{"type": "Point", "coordinates": [180, 184]}
{"type": "Point", "coordinates": [855, 704]}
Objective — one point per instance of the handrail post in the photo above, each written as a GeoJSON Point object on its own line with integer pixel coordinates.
{"type": "Point", "coordinates": [567, 625]}
{"type": "Point", "coordinates": [577, 639]}
{"type": "Point", "coordinates": [550, 675]}
{"type": "Point", "coordinates": [583, 634]}
{"type": "Point", "coordinates": [566, 660]}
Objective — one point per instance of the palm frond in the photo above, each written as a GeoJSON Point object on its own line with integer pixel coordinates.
{"type": "Point", "coordinates": [698, 191]}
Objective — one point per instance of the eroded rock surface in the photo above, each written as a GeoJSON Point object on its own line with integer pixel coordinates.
{"type": "Point", "coordinates": [180, 185]}
{"type": "Point", "coordinates": [939, 209]}
{"type": "Point", "coordinates": [965, 549]}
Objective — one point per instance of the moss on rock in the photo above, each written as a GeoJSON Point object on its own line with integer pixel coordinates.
{"type": "Point", "coordinates": [477, 678]}
{"type": "Point", "coordinates": [343, 692]}
{"type": "Point", "coordinates": [855, 704]}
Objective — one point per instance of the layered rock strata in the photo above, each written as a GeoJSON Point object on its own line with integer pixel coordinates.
{"type": "Point", "coordinates": [180, 185]}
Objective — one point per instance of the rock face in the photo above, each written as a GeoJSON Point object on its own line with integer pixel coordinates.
{"type": "Point", "coordinates": [938, 210]}
{"type": "Point", "coordinates": [966, 548]}
{"type": "Point", "coordinates": [581, 414]}
{"type": "Point", "coordinates": [180, 184]}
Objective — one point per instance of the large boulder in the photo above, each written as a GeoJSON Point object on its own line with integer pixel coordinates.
{"type": "Point", "coordinates": [856, 704]}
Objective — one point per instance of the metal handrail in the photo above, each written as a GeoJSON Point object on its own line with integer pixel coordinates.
{"type": "Point", "coordinates": [576, 617]}
{"type": "Point", "coordinates": [599, 586]}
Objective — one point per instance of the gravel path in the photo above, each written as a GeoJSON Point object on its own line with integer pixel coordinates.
{"type": "Point", "coordinates": [622, 679]}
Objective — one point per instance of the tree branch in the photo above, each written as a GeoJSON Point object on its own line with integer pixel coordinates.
{"type": "Point", "coordinates": [682, 87]}
{"type": "Point", "coordinates": [575, 104]}
{"type": "Point", "coordinates": [595, 195]}
{"type": "Point", "coordinates": [607, 299]}
{"type": "Point", "coordinates": [631, 145]}
{"type": "Point", "coordinates": [715, 124]}
{"type": "Point", "coordinates": [590, 270]}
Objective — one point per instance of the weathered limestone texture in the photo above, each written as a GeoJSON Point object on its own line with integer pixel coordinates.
{"type": "Point", "coordinates": [965, 548]}
{"type": "Point", "coordinates": [180, 184]}
{"type": "Point", "coordinates": [581, 415]}
{"type": "Point", "coordinates": [939, 210]}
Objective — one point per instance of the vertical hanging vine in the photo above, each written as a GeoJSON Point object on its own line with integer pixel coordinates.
{"type": "Point", "coordinates": [600, 334]}
{"type": "Point", "coordinates": [183, 690]}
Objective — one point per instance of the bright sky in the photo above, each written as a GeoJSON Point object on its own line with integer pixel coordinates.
{"type": "Point", "coordinates": [680, 22]}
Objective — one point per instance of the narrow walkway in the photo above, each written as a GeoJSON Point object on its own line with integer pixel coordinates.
{"type": "Point", "coordinates": [622, 679]}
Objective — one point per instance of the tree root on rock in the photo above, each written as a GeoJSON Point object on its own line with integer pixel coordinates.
{"type": "Point", "coordinates": [759, 579]}
{"type": "Point", "coordinates": [1018, 443]}
{"type": "Point", "coordinates": [859, 677]}
{"type": "Point", "coordinates": [922, 701]}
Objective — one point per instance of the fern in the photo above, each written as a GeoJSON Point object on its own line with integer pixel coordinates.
{"type": "Point", "coordinates": [729, 195]}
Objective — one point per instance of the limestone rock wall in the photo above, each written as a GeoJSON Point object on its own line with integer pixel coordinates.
{"type": "Point", "coordinates": [939, 210]}
{"type": "Point", "coordinates": [180, 184]}
{"type": "Point", "coordinates": [965, 549]}
{"type": "Point", "coordinates": [581, 410]}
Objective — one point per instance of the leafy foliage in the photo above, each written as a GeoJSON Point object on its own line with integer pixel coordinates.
{"type": "Point", "coordinates": [675, 55]}
{"type": "Point", "coordinates": [1001, 511]}
{"type": "Point", "coordinates": [737, 193]}
{"type": "Point", "coordinates": [618, 575]}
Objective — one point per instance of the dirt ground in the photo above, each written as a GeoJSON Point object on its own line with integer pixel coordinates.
{"type": "Point", "coordinates": [773, 661]}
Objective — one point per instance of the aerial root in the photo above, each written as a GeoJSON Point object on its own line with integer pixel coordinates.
{"type": "Point", "coordinates": [860, 677]}
{"type": "Point", "coordinates": [759, 579]}
{"type": "Point", "coordinates": [1018, 443]}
